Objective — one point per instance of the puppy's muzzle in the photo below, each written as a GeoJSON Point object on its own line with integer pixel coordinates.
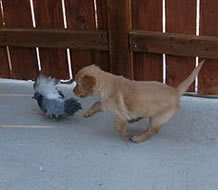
{"type": "Point", "coordinates": [77, 92]}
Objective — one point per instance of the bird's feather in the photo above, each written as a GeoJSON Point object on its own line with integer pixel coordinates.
{"type": "Point", "coordinates": [71, 106]}
{"type": "Point", "coordinates": [51, 100]}
{"type": "Point", "coordinates": [47, 87]}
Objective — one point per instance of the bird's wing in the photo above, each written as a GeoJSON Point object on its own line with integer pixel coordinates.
{"type": "Point", "coordinates": [53, 107]}
{"type": "Point", "coordinates": [71, 106]}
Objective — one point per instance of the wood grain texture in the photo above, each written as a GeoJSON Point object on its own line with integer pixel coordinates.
{"type": "Point", "coordinates": [48, 14]}
{"type": "Point", "coordinates": [180, 18]}
{"type": "Point", "coordinates": [174, 44]}
{"type": "Point", "coordinates": [102, 14]}
{"type": "Point", "coordinates": [51, 38]}
{"type": "Point", "coordinates": [147, 15]}
{"type": "Point", "coordinates": [140, 41]}
{"type": "Point", "coordinates": [4, 66]}
{"type": "Point", "coordinates": [80, 15]}
{"type": "Point", "coordinates": [119, 24]}
{"type": "Point", "coordinates": [24, 61]}
{"type": "Point", "coordinates": [208, 77]}
{"type": "Point", "coordinates": [102, 57]}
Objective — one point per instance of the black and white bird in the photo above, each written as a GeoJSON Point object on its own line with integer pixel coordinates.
{"type": "Point", "coordinates": [51, 100]}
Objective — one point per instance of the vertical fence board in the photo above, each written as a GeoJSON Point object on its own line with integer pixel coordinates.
{"type": "Point", "coordinates": [208, 77]}
{"type": "Point", "coordinates": [80, 15]}
{"type": "Point", "coordinates": [49, 14]}
{"type": "Point", "coordinates": [119, 24]}
{"type": "Point", "coordinates": [102, 14]}
{"type": "Point", "coordinates": [102, 57]}
{"type": "Point", "coordinates": [180, 18]}
{"type": "Point", "coordinates": [147, 15]}
{"type": "Point", "coordinates": [4, 66]}
{"type": "Point", "coordinates": [24, 61]}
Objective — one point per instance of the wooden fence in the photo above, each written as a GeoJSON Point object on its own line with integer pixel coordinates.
{"type": "Point", "coordinates": [124, 37]}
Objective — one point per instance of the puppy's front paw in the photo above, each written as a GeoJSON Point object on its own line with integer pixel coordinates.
{"type": "Point", "coordinates": [124, 135]}
{"type": "Point", "coordinates": [87, 114]}
{"type": "Point", "coordinates": [135, 139]}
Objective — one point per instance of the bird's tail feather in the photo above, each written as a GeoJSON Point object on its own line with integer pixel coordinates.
{"type": "Point", "coordinates": [71, 106]}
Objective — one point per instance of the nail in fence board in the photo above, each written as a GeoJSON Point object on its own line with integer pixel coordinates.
{"type": "Point", "coordinates": [49, 14]}
{"type": "Point", "coordinates": [180, 18]}
{"type": "Point", "coordinates": [208, 76]}
{"type": "Point", "coordinates": [147, 15]}
{"type": "Point", "coordinates": [4, 66]}
{"type": "Point", "coordinates": [80, 15]}
{"type": "Point", "coordinates": [24, 61]}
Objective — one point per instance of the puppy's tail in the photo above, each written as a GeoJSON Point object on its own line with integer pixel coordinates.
{"type": "Point", "coordinates": [184, 85]}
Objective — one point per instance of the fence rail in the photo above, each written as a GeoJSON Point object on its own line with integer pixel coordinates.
{"type": "Point", "coordinates": [127, 37]}
{"type": "Point", "coordinates": [75, 39]}
{"type": "Point", "coordinates": [174, 44]}
{"type": "Point", "coordinates": [140, 41]}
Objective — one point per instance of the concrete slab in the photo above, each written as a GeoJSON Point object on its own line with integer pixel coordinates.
{"type": "Point", "coordinates": [78, 154]}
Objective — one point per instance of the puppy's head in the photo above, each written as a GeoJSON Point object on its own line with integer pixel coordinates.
{"type": "Point", "coordinates": [85, 83]}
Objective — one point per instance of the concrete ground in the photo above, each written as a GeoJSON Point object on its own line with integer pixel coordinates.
{"type": "Point", "coordinates": [37, 153]}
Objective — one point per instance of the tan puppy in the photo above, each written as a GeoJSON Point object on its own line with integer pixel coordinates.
{"type": "Point", "coordinates": [131, 100]}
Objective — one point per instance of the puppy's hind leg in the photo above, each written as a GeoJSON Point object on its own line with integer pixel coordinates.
{"type": "Point", "coordinates": [96, 107]}
{"type": "Point", "coordinates": [155, 124]}
{"type": "Point", "coordinates": [120, 127]}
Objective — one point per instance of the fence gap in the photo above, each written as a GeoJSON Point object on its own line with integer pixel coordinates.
{"type": "Point", "coordinates": [33, 14]}
{"type": "Point", "coordinates": [2, 14]}
{"type": "Point", "coordinates": [197, 34]}
{"type": "Point", "coordinates": [64, 14]}
{"type": "Point", "coordinates": [96, 14]}
{"type": "Point", "coordinates": [34, 26]}
{"type": "Point", "coordinates": [9, 58]}
{"type": "Point", "coordinates": [68, 50]}
{"type": "Point", "coordinates": [164, 31]}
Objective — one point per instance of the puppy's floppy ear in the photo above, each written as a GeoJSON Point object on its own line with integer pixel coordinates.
{"type": "Point", "coordinates": [88, 83]}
